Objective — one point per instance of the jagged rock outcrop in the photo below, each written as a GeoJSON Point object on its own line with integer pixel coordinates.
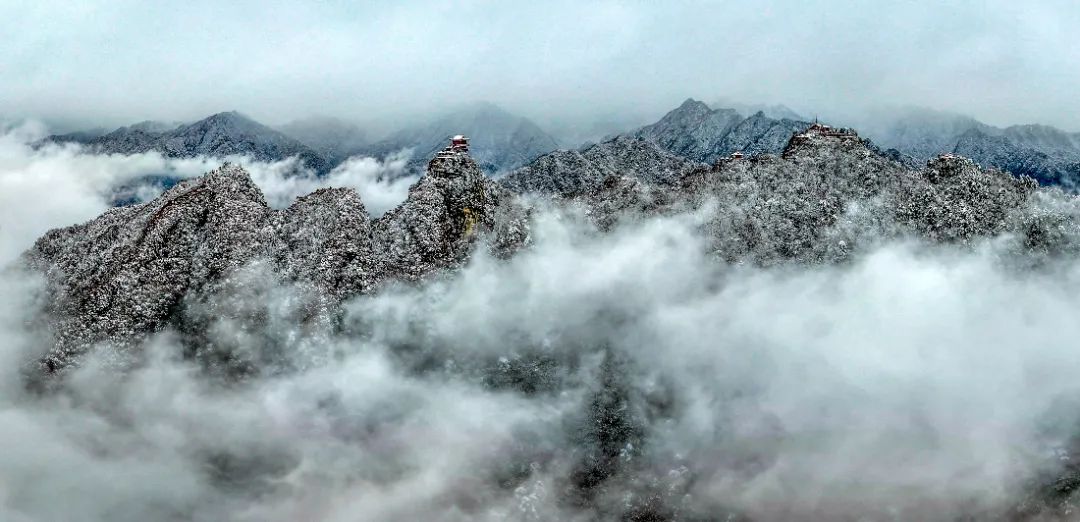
{"type": "Point", "coordinates": [824, 198]}
{"type": "Point", "coordinates": [125, 272]}
{"type": "Point", "coordinates": [571, 171]}
{"type": "Point", "coordinates": [442, 215]}
{"type": "Point", "coordinates": [131, 271]}
{"type": "Point", "coordinates": [326, 239]}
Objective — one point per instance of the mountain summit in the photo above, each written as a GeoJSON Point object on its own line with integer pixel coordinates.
{"type": "Point", "coordinates": [696, 132]}
{"type": "Point", "coordinates": [503, 141]}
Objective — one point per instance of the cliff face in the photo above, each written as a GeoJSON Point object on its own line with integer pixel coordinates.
{"type": "Point", "coordinates": [128, 272]}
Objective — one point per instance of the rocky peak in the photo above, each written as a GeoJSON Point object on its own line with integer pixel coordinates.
{"type": "Point", "coordinates": [228, 118]}
{"type": "Point", "coordinates": [229, 123]}
{"type": "Point", "coordinates": [691, 107]}
{"type": "Point", "coordinates": [696, 132]}
{"type": "Point", "coordinates": [136, 270]}
{"type": "Point", "coordinates": [453, 164]}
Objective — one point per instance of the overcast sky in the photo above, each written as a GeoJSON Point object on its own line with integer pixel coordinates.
{"type": "Point", "coordinates": [116, 62]}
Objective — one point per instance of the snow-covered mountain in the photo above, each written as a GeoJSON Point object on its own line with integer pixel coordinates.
{"type": "Point", "coordinates": [1050, 155]}
{"type": "Point", "coordinates": [499, 141]}
{"type": "Point", "coordinates": [920, 133]}
{"type": "Point", "coordinates": [201, 228]}
{"type": "Point", "coordinates": [911, 136]}
{"type": "Point", "coordinates": [220, 135]}
{"type": "Point", "coordinates": [699, 133]}
{"type": "Point", "coordinates": [776, 111]}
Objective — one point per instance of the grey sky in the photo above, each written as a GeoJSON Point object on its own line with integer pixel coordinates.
{"type": "Point", "coordinates": [121, 61]}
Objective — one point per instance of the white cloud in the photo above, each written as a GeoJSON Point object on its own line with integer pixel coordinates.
{"type": "Point", "coordinates": [55, 186]}
{"type": "Point", "coordinates": [382, 185]}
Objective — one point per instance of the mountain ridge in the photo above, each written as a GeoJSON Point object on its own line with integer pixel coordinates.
{"type": "Point", "coordinates": [219, 135]}
{"type": "Point", "coordinates": [570, 171]}
{"type": "Point", "coordinates": [818, 170]}
{"type": "Point", "coordinates": [1046, 153]}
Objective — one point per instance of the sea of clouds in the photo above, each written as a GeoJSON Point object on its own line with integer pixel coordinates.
{"type": "Point", "coordinates": [589, 377]}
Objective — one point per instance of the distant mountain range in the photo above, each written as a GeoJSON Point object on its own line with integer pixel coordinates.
{"type": "Point", "coordinates": [1049, 155]}
{"type": "Point", "coordinates": [699, 133]}
{"type": "Point", "coordinates": [500, 141]}
{"type": "Point", "coordinates": [685, 138]}
{"type": "Point", "coordinates": [220, 135]}
{"type": "Point", "coordinates": [692, 133]}
{"type": "Point", "coordinates": [777, 111]}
